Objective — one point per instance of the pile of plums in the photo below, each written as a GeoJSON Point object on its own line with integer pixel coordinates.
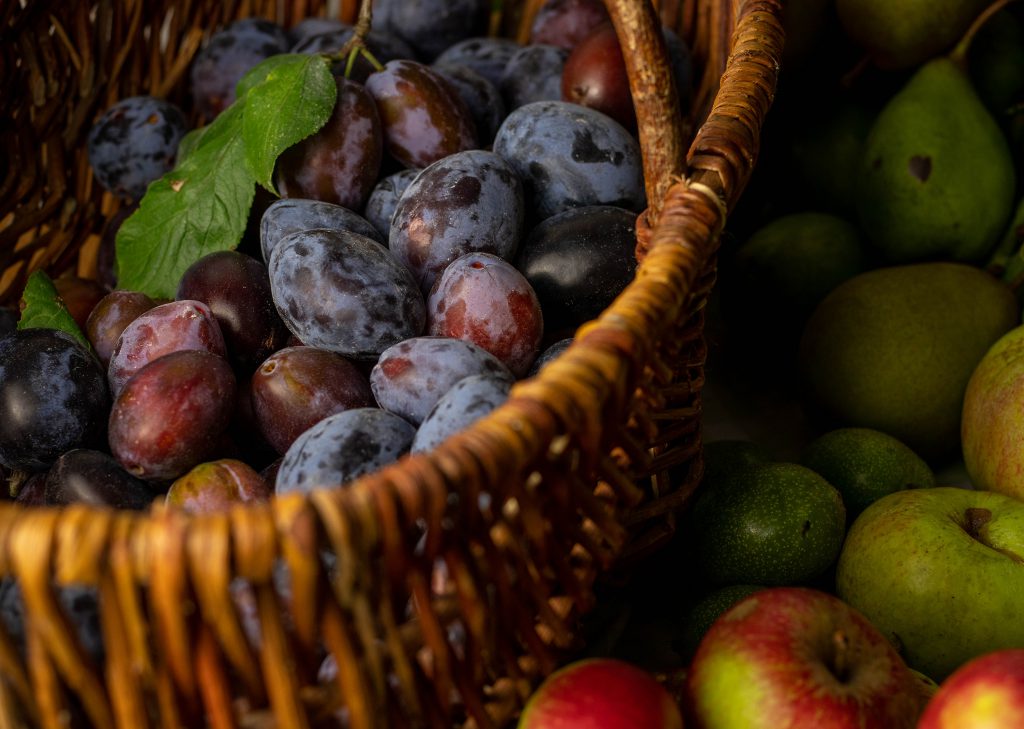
{"type": "Point", "coordinates": [466, 207]}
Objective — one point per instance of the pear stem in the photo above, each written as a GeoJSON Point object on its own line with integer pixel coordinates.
{"type": "Point", "coordinates": [959, 53]}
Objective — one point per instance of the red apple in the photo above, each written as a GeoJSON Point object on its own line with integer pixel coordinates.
{"type": "Point", "coordinates": [796, 657]}
{"type": "Point", "coordinates": [987, 692]}
{"type": "Point", "coordinates": [601, 693]}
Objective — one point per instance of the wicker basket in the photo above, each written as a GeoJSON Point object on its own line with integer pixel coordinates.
{"type": "Point", "coordinates": [441, 608]}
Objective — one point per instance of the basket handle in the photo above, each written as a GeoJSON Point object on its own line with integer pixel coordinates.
{"type": "Point", "coordinates": [722, 156]}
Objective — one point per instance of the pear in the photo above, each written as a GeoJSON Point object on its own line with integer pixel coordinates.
{"type": "Point", "coordinates": [893, 349]}
{"type": "Point", "coordinates": [936, 178]}
{"type": "Point", "coordinates": [905, 33]}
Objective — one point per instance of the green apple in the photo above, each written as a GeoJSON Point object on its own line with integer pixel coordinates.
{"type": "Point", "coordinates": [940, 572]}
{"type": "Point", "coordinates": [992, 424]}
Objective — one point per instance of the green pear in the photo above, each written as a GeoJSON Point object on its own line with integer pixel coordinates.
{"type": "Point", "coordinates": [905, 33]}
{"type": "Point", "coordinates": [893, 348]}
{"type": "Point", "coordinates": [936, 178]}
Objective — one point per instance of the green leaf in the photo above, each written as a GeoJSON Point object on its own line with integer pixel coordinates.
{"type": "Point", "coordinates": [258, 73]}
{"type": "Point", "coordinates": [200, 207]}
{"type": "Point", "coordinates": [294, 100]}
{"type": "Point", "coordinates": [188, 144]}
{"type": "Point", "coordinates": [42, 308]}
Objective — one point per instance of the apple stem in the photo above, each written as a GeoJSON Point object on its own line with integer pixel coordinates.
{"type": "Point", "coordinates": [841, 655]}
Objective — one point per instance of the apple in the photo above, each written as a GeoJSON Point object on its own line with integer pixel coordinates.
{"type": "Point", "coordinates": [992, 421]}
{"type": "Point", "coordinates": [987, 692]}
{"type": "Point", "coordinates": [601, 693]}
{"type": "Point", "coordinates": [940, 572]}
{"type": "Point", "coordinates": [789, 657]}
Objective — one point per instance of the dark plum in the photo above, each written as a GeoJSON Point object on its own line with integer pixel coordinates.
{"type": "Point", "coordinates": [487, 56]}
{"type": "Point", "coordinates": [288, 216]}
{"type": "Point", "coordinates": [342, 447]}
{"type": "Point", "coordinates": [109, 318]}
{"type": "Point", "coordinates": [80, 296]}
{"type": "Point", "coordinates": [481, 96]}
{"type": "Point", "coordinates": [534, 73]}
{"type": "Point", "coordinates": [431, 26]}
{"type": "Point", "coordinates": [8, 319]}
{"type": "Point", "coordinates": [106, 254]}
{"type": "Point", "coordinates": [410, 377]}
{"type": "Point", "coordinates": [166, 328]}
{"type": "Point", "coordinates": [86, 476]}
{"type": "Point", "coordinates": [269, 472]}
{"type": "Point", "coordinates": [297, 387]}
{"type": "Point", "coordinates": [550, 352]}
{"type": "Point", "coordinates": [380, 208]}
{"type": "Point", "coordinates": [569, 156]}
{"type": "Point", "coordinates": [565, 23]}
{"type": "Point", "coordinates": [308, 28]}
{"type": "Point", "coordinates": [578, 262]}
{"type": "Point", "coordinates": [384, 47]}
{"type": "Point", "coordinates": [171, 415]}
{"type": "Point", "coordinates": [680, 60]}
{"type": "Point", "coordinates": [244, 430]}
{"type": "Point", "coordinates": [423, 116]}
{"type": "Point", "coordinates": [134, 142]}
{"type": "Point", "coordinates": [483, 299]}
{"type": "Point", "coordinates": [32, 492]}
{"type": "Point", "coordinates": [80, 603]}
{"type": "Point", "coordinates": [467, 401]}
{"type": "Point", "coordinates": [471, 201]}
{"type": "Point", "coordinates": [595, 76]}
{"type": "Point", "coordinates": [343, 292]}
{"type": "Point", "coordinates": [236, 287]}
{"type": "Point", "coordinates": [230, 53]}
{"type": "Point", "coordinates": [53, 397]}
{"type": "Point", "coordinates": [341, 162]}
{"type": "Point", "coordinates": [215, 486]}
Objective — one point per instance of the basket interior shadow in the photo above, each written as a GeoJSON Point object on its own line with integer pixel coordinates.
{"type": "Point", "coordinates": [443, 587]}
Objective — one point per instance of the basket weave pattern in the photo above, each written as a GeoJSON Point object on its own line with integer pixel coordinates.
{"type": "Point", "coordinates": [443, 586]}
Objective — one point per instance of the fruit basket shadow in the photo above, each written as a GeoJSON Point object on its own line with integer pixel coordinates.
{"type": "Point", "coordinates": [445, 586]}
